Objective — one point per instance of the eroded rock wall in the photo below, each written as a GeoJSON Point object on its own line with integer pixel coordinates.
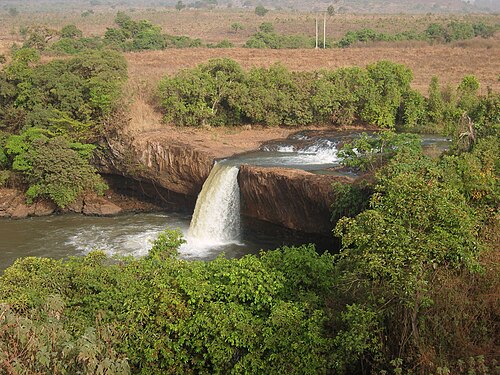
{"type": "Point", "coordinates": [292, 198]}
{"type": "Point", "coordinates": [172, 165]}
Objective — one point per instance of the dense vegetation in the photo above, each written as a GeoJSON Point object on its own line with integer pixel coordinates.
{"type": "Point", "coordinates": [50, 116]}
{"type": "Point", "coordinates": [220, 92]}
{"type": "Point", "coordinates": [410, 291]}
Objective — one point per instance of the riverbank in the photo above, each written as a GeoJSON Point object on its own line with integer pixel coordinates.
{"type": "Point", "coordinates": [13, 205]}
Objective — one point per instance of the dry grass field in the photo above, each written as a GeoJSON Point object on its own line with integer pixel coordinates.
{"type": "Point", "coordinates": [449, 63]}
{"type": "Point", "coordinates": [214, 25]}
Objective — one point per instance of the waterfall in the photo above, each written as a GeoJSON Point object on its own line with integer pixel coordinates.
{"type": "Point", "coordinates": [216, 217]}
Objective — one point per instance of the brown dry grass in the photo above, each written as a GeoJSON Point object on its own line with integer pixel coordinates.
{"type": "Point", "coordinates": [215, 25]}
{"type": "Point", "coordinates": [450, 64]}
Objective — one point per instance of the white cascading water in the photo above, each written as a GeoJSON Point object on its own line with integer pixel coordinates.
{"type": "Point", "coordinates": [216, 217]}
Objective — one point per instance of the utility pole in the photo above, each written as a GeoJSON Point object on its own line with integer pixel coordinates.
{"type": "Point", "coordinates": [324, 31]}
{"type": "Point", "coordinates": [316, 32]}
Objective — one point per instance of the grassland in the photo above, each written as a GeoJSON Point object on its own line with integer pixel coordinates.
{"type": "Point", "coordinates": [215, 25]}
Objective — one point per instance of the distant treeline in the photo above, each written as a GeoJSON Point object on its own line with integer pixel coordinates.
{"type": "Point", "coordinates": [435, 33]}
{"type": "Point", "coordinates": [130, 35]}
{"type": "Point", "coordinates": [221, 93]}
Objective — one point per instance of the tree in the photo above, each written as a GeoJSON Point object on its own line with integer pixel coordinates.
{"type": "Point", "coordinates": [236, 26]}
{"type": "Point", "coordinates": [260, 10]}
{"type": "Point", "coordinates": [180, 5]}
{"type": "Point", "coordinates": [266, 27]}
{"type": "Point", "coordinates": [71, 31]}
{"type": "Point", "coordinates": [416, 225]}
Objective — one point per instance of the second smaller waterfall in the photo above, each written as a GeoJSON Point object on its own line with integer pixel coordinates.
{"type": "Point", "coordinates": [216, 217]}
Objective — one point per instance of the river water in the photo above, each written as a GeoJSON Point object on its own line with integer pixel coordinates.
{"type": "Point", "coordinates": [61, 236]}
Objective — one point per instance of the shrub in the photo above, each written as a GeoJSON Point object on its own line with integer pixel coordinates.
{"type": "Point", "coordinates": [53, 168]}
{"type": "Point", "coordinates": [368, 153]}
{"type": "Point", "coordinates": [260, 10]}
{"type": "Point", "coordinates": [71, 32]}
{"type": "Point", "coordinates": [384, 96]}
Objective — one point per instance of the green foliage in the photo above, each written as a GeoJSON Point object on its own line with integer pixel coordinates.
{"type": "Point", "coordinates": [260, 10]}
{"type": "Point", "coordinates": [338, 96]}
{"type": "Point", "coordinates": [385, 95]}
{"type": "Point", "coordinates": [4, 177]}
{"type": "Point", "coordinates": [166, 245]}
{"type": "Point", "coordinates": [181, 41]}
{"type": "Point", "coordinates": [266, 37]}
{"type": "Point", "coordinates": [203, 95]}
{"type": "Point", "coordinates": [237, 26]}
{"type": "Point", "coordinates": [222, 44]}
{"type": "Point", "coordinates": [180, 5]}
{"type": "Point", "coordinates": [65, 96]}
{"type": "Point", "coordinates": [38, 37]}
{"type": "Point", "coordinates": [476, 174]}
{"type": "Point", "coordinates": [166, 315]}
{"type": "Point", "coordinates": [418, 224]}
{"type": "Point", "coordinates": [434, 32]}
{"type": "Point", "coordinates": [349, 199]}
{"type": "Point", "coordinates": [369, 152]}
{"type": "Point", "coordinates": [274, 96]}
{"type": "Point", "coordinates": [71, 32]}
{"type": "Point", "coordinates": [380, 95]}
{"type": "Point", "coordinates": [52, 168]}
{"type": "Point", "coordinates": [28, 347]}
{"type": "Point", "coordinates": [143, 35]}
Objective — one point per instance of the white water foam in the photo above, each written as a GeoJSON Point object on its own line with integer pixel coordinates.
{"type": "Point", "coordinates": [322, 151]}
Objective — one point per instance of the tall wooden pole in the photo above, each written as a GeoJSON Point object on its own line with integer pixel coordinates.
{"type": "Point", "coordinates": [316, 32]}
{"type": "Point", "coordinates": [324, 31]}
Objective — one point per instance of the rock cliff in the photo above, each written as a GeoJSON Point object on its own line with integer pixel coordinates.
{"type": "Point", "coordinates": [161, 160]}
{"type": "Point", "coordinates": [292, 198]}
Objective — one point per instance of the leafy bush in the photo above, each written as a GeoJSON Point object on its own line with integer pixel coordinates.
{"type": "Point", "coordinates": [384, 96]}
{"type": "Point", "coordinates": [268, 38]}
{"type": "Point", "coordinates": [368, 153]}
{"type": "Point", "coordinates": [260, 10]}
{"type": "Point", "coordinates": [338, 96]}
{"type": "Point", "coordinates": [167, 315]}
{"type": "Point", "coordinates": [274, 96]}
{"type": "Point", "coordinates": [53, 168]}
{"type": "Point", "coordinates": [181, 41]}
{"type": "Point", "coordinates": [71, 32]}
{"type": "Point", "coordinates": [204, 95]}
{"type": "Point", "coordinates": [380, 95]}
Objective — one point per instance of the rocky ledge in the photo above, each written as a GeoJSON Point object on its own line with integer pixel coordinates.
{"type": "Point", "coordinates": [13, 205]}
{"type": "Point", "coordinates": [292, 198]}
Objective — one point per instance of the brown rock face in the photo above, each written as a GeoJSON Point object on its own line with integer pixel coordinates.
{"type": "Point", "coordinates": [292, 198]}
{"type": "Point", "coordinates": [176, 167]}
{"type": "Point", "coordinates": [161, 160]}
{"type": "Point", "coordinates": [13, 204]}
{"type": "Point", "coordinates": [94, 205]}
{"type": "Point", "coordinates": [9, 200]}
